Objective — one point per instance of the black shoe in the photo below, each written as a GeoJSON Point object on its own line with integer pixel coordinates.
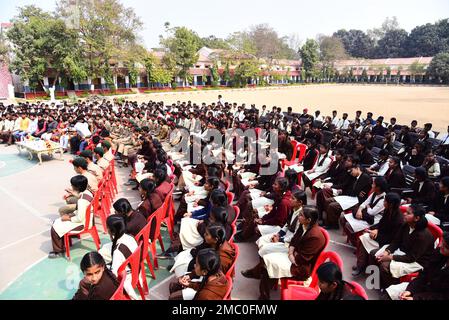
{"type": "Point", "coordinates": [167, 254]}
{"type": "Point", "coordinates": [55, 255]}
{"type": "Point", "coordinates": [354, 268]}
{"type": "Point", "coordinates": [169, 267]}
{"type": "Point", "coordinates": [249, 274]}
{"type": "Point", "coordinates": [130, 183]}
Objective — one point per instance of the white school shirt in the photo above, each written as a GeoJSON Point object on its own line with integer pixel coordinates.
{"type": "Point", "coordinates": [378, 208]}
{"type": "Point", "coordinates": [343, 124]}
{"type": "Point", "coordinates": [445, 139]}
{"type": "Point", "coordinates": [241, 116]}
{"type": "Point", "coordinates": [9, 125]}
{"type": "Point", "coordinates": [288, 234]}
{"type": "Point", "coordinates": [335, 121]}
{"type": "Point", "coordinates": [32, 127]}
{"type": "Point", "coordinates": [319, 118]}
{"type": "Point", "coordinates": [83, 129]}
{"type": "Point", "coordinates": [324, 167]}
{"type": "Point", "coordinates": [17, 124]}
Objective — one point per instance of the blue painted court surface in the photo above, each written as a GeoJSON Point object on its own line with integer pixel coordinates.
{"type": "Point", "coordinates": [14, 163]}
{"type": "Point", "coordinates": [58, 279]}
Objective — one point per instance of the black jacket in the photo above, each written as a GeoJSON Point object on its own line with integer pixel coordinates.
{"type": "Point", "coordinates": [418, 246]}
{"type": "Point", "coordinates": [388, 227]}
{"type": "Point", "coordinates": [363, 184]}
{"type": "Point", "coordinates": [427, 194]}
{"type": "Point", "coordinates": [395, 178]}
{"type": "Point", "coordinates": [433, 282]}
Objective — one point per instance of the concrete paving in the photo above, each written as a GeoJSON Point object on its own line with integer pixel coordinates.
{"type": "Point", "coordinates": [30, 196]}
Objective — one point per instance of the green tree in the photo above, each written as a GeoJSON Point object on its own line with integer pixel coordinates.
{"type": "Point", "coordinates": [364, 75]}
{"type": "Point", "coordinates": [388, 73]}
{"type": "Point", "coordinates": [133, 73]}
{"type": "Point", "coordinates": [417, 69]}
{"type": "Point", "coordinates": [214, 74]}
{"type": "Point", "coordinates": [108, 34]}
{"type": "Point", "coordinates": [426, 41]}
{"type": "Point", "coordinates": [213, 42]}
{"type": "Point", "coordinates": [246, 70]}
{"type": "Point", "coordinates": [439, 67]}
{"type": "Point", "coordinates": [356, 42]}
{"type": "Point", "coordinates": [392, 45]}
{"type": "Point", "coordinates": [183, 45]}
{"type": "Point", "coordinates": [41, 42]}
{"type": "Point", "coordinates": [242, 42]}
{"type": "Point", "coordinates": [227, 74]}
{"type": "Point", "coordinates": [310, 58]}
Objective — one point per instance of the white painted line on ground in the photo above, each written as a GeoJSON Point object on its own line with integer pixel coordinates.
{"type": "Point", "coordinates": [26, 270]}
{"type": "Point", "coordinates": [24, 239]}
{"type": "Point", "coordinates": [342, 244]}
{"type": "Point", "coordinates": [22, 203]}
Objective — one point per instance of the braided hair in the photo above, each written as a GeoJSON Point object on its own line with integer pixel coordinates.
{"type": "Point", "coordinates": [117, 228]}
{"type": "Point", "coordinates": [209, 261]}
{"type": "Point", "coordinates": [218, 232]}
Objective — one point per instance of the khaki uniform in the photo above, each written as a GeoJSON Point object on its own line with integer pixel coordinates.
{"type": "Point", "coordinates": [95, 170]}
{"type": "Point", "coordinates": [92, 182]}
{"type": "Point", "coordinates": [103, 163]}
{"type": "Point", "coordinates": [163, 133]}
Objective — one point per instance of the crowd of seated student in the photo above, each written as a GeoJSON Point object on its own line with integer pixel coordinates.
{"type": "Point", "coordinates": [345, 164]}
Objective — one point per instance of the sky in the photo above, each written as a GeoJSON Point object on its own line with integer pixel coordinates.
{"type": "Point", "coordinates": [306, 19]}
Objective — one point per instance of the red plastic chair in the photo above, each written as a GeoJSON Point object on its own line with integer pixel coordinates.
{"type": "Point", "coordinates": [167, 216]}
{"type": "Point", "coordinates": [113, 176]}
{"type": "Point", "coordinates": [299, 153]}
{"type": "Point", "coordinates": [155, 233]}
{"type": "Point", "coordinates": [437, 233]}
{"type": "Point", "coordinates": [228, 186]}
{"type": "Point", "coordinates": [295, 149]}
{"type": "Point", "coordinates": [230, 196]}
{"type": "Point", "coordinates": [359, 290]}
{"type": "Point", "coordinates": [133, 262]}
{"type": "Point", "coordinates": [285, 282]}
{"type": "Point", "coordinates": [169, 220]}
{"type": "Point", "coordinates": [92, 230]}
{"type": "Point", "coordinates": [237, 213]}
{"type": "Point", "coordinates": [99, 207]}
{"type": "Point", "coordinates": [296, 291]}
{"type": "Point", "coordinates": [120, 293]}
{"type": "Point", "coordinates": [143, 238]}
{"type": "Point", "coordinates": [230, 285]}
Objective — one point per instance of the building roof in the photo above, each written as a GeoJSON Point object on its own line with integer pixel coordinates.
{"type": "Point", "coordinates": [389, 61]}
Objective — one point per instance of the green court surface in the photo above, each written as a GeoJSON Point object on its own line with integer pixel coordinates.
{"type": "Point", "coordinates": [58, 279]}
{"type": "Point", "coordinates": [14, 163]}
